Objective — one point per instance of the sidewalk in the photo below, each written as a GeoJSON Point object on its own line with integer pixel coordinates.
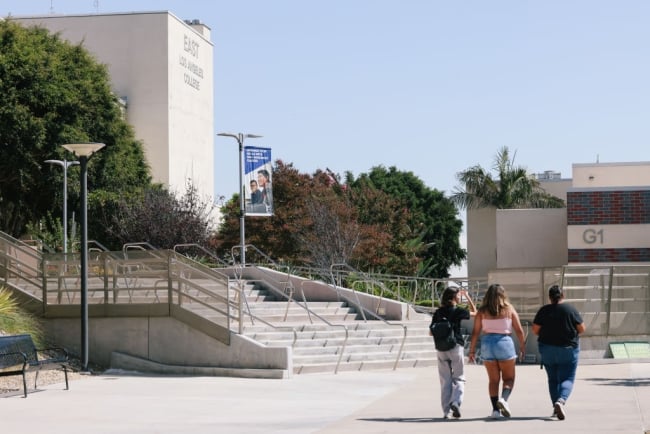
{"type": "Point", "coordinates": [607, 398]}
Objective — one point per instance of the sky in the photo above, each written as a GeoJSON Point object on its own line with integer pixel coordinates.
{"type": "Point", "coordinates": [429, 87]}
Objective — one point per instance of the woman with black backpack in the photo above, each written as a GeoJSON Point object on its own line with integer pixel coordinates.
{"type": "Point", "coordinates": [450, 348]}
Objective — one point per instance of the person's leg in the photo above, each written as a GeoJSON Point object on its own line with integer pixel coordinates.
{"type": "Point", "coordinates": [444, 374]}
{"type": "Point", "coordinates": [566, 373]}
{"type": "Point", "coordinates": [549, 355]}
{"type": "Point", "coordinates": [508, 374]}
{"type": "Point", "coordinates": [494, 378]}
{"type": "Point", "coordinates": [458, 377]}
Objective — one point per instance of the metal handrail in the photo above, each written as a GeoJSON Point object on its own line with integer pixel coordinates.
{"type": "Point", "coordinates": [310, 312]}
{"type": "Point", "coordinates": [377, 317]}
{"type": "Point", "coordinates": [140, 245]}
{"type": "Point", "coordinates": [203, 249]}
{"type": "Point", "coordinates": [229, 301]}
{"type": "Point", "coordinates": [261, 253]}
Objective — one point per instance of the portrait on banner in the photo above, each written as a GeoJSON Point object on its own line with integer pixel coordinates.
{"type": "Point", "coordinates": [258, 181]}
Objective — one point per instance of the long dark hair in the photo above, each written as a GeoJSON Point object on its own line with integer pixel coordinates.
{"type": "Point", "coordinates": [448, 296]}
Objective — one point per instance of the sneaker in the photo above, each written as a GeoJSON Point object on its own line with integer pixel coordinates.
{"type": "Point", "coordinates": [455, 409]}
{"type": "Point", "coordinates": [503, 406]}
{"type": "Point", "coordinates": [496, 414]}
{"type": "Point", "coordinates": [559, 410]}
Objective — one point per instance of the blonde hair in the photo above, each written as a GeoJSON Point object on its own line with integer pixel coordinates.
{"type": "Point", "coordinates": [495, 302]}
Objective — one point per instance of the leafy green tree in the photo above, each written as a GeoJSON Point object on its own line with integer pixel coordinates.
{"type": "Point", "coordinates": [431, 234]}
{"type": "Point", "coordinates": [320, 222]}
{"type": "Point", "coordinates": [276, 236]}
{"type": "Point", "coordinates": [53, 93]}
{"type": "Point", "coordinates": [340, 232]}
{"type": "Point", "coordinates": [512, 187]}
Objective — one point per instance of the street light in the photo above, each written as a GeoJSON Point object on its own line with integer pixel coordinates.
{"type": "Point", "coordinates": [84, 151]}
{"type": "Point", "coordinates": [65, 164]}
{"type": "Point", "coordinates": [242, 210]}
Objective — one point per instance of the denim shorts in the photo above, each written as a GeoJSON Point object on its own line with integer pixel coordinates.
{"type": "Point", "coordinates": [497, 347]}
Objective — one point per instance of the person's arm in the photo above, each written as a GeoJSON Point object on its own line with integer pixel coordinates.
{"type": "Point", "coordinates": [536, 329]}
{"type": "Point", "coordinates": [519, 331]}
{"type": "Point", "coordinates": [580, 328]}
{"type": "Point", "coordinates": [433, 319]}
{"type": "Point", "coordinates": [472, 307]}
{"type": "Point", "coordinates": [476, 331]}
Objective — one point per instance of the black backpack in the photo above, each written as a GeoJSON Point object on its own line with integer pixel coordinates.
{"type": "Point", "coordinates": [444, 336]}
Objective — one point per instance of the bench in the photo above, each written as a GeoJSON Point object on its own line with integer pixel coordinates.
{"type": "Point", "coordinates": [18, 354]}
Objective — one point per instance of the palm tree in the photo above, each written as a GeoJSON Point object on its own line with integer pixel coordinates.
{"type": "Point", "coordinates": [514, 187]}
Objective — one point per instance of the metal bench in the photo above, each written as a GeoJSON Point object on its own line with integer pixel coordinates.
{"type": "Point", "coordinates": [18, 354]}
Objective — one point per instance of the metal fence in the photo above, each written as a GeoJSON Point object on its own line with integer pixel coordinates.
{"type": "Point", "coordinates": [614, 300]}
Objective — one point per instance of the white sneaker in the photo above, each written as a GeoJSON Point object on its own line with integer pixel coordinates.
{"type": "Point", "coordinates": [559, 410]}
{"type": "Point", "coordinates": [496, 414]}
{"type": "Point", "coordinates": [503, 406]}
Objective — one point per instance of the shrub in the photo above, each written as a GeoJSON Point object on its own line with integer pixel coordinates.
{"type": "Point", "coordinates": [15, 320]}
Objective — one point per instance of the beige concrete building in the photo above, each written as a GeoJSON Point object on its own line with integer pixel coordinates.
{"type": "Point", "coordinates": [607, 219]}
{"type": "Point", "coordinates": [162, 69]}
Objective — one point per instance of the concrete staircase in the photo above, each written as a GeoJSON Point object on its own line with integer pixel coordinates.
{"type": "Point", "coordinates": [320, 338]}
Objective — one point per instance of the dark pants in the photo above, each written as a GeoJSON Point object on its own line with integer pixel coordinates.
{"type": "Point", "coordinates": [561, 364]}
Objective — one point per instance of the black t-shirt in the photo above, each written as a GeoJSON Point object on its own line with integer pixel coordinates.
{"type": "Point", "coordinates": [558, 325]}
{"type": "Point", "coordinates": [455, 315]}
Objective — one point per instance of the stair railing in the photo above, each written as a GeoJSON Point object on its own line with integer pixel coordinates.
{"type": "Point", "coordinates": [199, 247]}
{"type": "Point", "coordinates": [362, 308]}
{"type": "Point", "coordinates": [281, 293]}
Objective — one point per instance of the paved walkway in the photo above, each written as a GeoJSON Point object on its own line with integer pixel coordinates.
{"type": "Point", "coordinates": [608, 398]}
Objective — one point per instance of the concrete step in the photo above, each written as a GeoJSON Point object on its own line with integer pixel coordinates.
{"type": "Point", "coordinates": [350, 349]}
{"type": "Point", "coordinates": [362, 365]}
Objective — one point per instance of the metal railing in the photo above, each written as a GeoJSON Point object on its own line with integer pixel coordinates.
{"type": "Point", "coordinates": [357, 303]}
{"type": "Point", "coordinates": [614, 300]}
{"type": "Point", "coordinates": [272, 284]}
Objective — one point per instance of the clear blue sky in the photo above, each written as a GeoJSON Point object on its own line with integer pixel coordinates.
{"type": "Point", "coordinates": [431, 87]}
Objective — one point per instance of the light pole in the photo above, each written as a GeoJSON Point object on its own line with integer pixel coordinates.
{"type": "Point", "coordinates": [242, 210]}
{"type": "Point", "coordinates": [65, 164]}
{"type": "Point", "coordinates": [84, 151]}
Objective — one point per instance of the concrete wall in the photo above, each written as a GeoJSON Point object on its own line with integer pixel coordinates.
{"type": "Point", "coordinates": [165, 340]}
{"type": "Point", "coordinates": [499, 239]}
{"type": "Point", "coordinates": [481, 242]}
{"type": "Point", "coordinates": [320, 291]}
{"type": "Point", "coordinates": [598, 175]}
{"type": "Point", "coordinates": [556, 187]}
{"type": "Point", "coordinates": [531, 238]}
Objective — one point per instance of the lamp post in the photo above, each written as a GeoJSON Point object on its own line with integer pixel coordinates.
{"type": "Point", "coordinates": [242, 210]}
{"type": "Point", "coordinates": [84, 151]}
{"type": "Point", "coordinates": [65, 164]}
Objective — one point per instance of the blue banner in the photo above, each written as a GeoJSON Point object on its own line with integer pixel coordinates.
{"type": "Point", "coordinates": [257, 181]}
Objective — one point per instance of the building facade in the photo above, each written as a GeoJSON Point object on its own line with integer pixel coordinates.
{"type": "Point", "coordinates": [606, 220]}
{"type": "Point", "coordinates": [161, 67]}
{"type": "Point", "coordinates": [608, 213]}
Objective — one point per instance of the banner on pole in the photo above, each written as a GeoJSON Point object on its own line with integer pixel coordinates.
{"type": "Point", "coordinates": [257, 181]}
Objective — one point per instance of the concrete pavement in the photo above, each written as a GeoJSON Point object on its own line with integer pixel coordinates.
{"type": "Point", "coordinates": [608, 398]}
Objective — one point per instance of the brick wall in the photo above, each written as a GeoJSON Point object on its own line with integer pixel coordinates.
{"type": "Point", "coordinates": [608, 207]}
{"type": "Point", "coordinates": [624, 207]}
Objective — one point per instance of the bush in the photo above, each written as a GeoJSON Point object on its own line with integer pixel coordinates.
{"type": "Point", "coordinates": [14, 320]}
